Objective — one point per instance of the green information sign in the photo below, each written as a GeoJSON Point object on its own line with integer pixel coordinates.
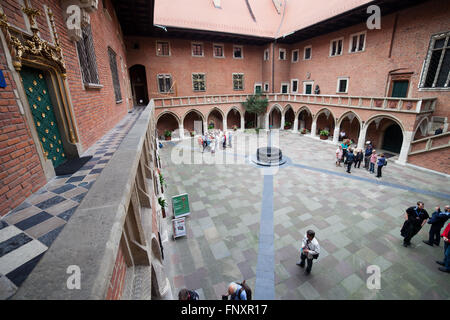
{"type": "Point", "coordinates": [180, 205]}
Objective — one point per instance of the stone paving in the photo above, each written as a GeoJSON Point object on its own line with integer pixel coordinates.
{"type": "Point", "coordinates": [29, 230]}
{"type": "Point", "coordinates": [357, 219]}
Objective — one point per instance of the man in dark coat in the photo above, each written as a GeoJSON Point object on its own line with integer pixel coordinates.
{"type": "Point", "coordinates": [349, 159]}
{"type": "Point", "coordinates": [437, 222]}
{"type": "Point", "coordinates": [415, 218]}
{"type": "Point", "coordinates": [367, 155]}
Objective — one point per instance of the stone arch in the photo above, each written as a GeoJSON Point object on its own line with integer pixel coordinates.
{"type": "Point", "coordinates": [419, 130]}
{"type": "Point", "coordinates": [349, 129]}
{"type": "Point", "coordinates": [385, 126]}
{"type": "Point", "coordinates": [167, 120]}
{"type": "Point", "coordinates": [138, 81]}
{"type": "Point", "coordinates": [304, 117]}
{"type": "Point", "coordinates": [289, 116]}
{"type": "Point", "coordinates": [213, 117]}
{"type": "Point", "coordinates": [324, 122]}
{"type": "Point", "coordinates": [274, 116]}
{"type": "Point", "coordinates": [189, 121]}
{"type": "Point", "coordinates": [234, 116]}
{"type": "Point", "coordinates": [303, 108]}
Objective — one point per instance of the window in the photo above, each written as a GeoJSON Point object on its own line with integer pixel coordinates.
{"type": "Point", "coordinates": [307, 87]}
{"type": "Point", "coordinates": [115, 74]}
{"type": "Point", "coordinates": [266, 87]}
{"type": "Point", "coordinates": [218, 51]}
{"type": "Point", "coordinates": [258, 88]}
{"type": "Point", "coordinates": [238, 81]}
{"type": "Point", "coordinates": [295, 55]}
{"type": "Point", "coordinates": [294, 85]}
{"type": "Point", "coordinates": [198, 82]}
{"type": "Point", "coordinates": [238, 52]}
{"type": "Point", "coordinates": [197, 49]}
{"type": "Point", "coordinates": [162, 48]}
{"type": "Point", "coordinates": [164, 83]}
{"type": "Point", "coordinates": [336, 47]}
{"type": "Point", "coordinates": [342, 85]}
{"type": "Point", "coordinates": [400, 88]}
{"type": "Point", "coordinates": [284, 87]}
{"type": "Point", "coordinates": [282, 54]}
{"type": "Point", "coordinates": [307, 53]}
{"type": "Point", "coordinates": [266, 55]}
{"type": "Point", "coordinates": [86, 55]}
{"type": "Point", "coordinates": [357, 42]}
{"type": "Point", "coordinates": [437, 65]}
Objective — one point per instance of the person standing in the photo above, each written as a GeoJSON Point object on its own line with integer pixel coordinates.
{"type": "Point", "coordinates": [437, 221]}
{"type": "Point", "coordinates": [350, 157]}
{"type": "Point", "coordinates": [236, 292]}
{"type": "Point", "coordinates": [446, 263]}
{"type": "Point", "coordinates": [310, 250]}
{"type": "Point", "coordinates": [373, 161]}
{"type": "Point", "coordinates": [358, 158]}
{"type": "Point", "coordinates": [229, 139]}
{"type": "Point", "coordinates": [380, 164]}
{"type": "Point", "coordinates": [415, 218]}
{"type": "Point", "coordinates": [224, 141]}
{"type": "Point", "coordinates": [344, 149]}
{"type": "Point", "coordinates": [439, 130]}
{"type": "Point", "coordinates": [367, 155]}
{"type": "Point", "coordinates": [186, 294]}
{"type": "Point", "coordinates": [339, 154]}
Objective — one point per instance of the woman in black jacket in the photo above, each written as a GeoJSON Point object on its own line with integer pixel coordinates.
{"type": "Point", "coordinates": [358, 158]}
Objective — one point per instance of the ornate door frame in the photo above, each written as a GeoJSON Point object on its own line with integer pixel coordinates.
{"type": "Point", "coordinates": [22, 49]}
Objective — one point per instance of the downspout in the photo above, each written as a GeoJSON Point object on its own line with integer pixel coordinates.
{"type": "Point", "coordinates": [273, 48]}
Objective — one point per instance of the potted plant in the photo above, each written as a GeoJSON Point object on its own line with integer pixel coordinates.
{"type": "Point", "coordinates": [168, 134]}
{"type": "Point", "coordinates": [211, 125]}
{"type": "Point", "coordinates": [162, 181]}
{"type": "Point", "coordinates": [235, 127]}
{"type": "Point", "coordinates": [163, 204]}
{"type": "Point", "coordinates": [324, 134]}
{"type": "Point", "coordinates": [192, 133]}
{"type": "Point", "coordinates": [257, 130]}
{"type": "Point", "coordinates": [287, 125]}
{"type": "Point", "coordinates": [348, 141]}
{"type": "Point", "coordinates": [304, 131]}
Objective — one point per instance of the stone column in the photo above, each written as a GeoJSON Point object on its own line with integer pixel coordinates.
{"type": "Point", "coordinates": [266, 125]}
{"type": "Point", "coordinates": [337, 129]}
{"type": "Point", "coordinates": [295, 127]}
{"type": "Point", "coordinates": [407, 138]}
{"type": "Point", "coordinates": [205, 126]}
{"type": "Point", "coordinates": [362, 137]}
{"type": "Point", "coordinates": [224, 124]}
{"type": "Point", "coordinates": [181, 129]}
{"type": "Point", "coordinates": [314, 128]}
{"type": "Point", "coordinates": [282, 122]}
{"type": "Point", "coordinates": [243, 122]}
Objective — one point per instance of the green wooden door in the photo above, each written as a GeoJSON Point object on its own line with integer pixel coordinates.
{"type": "Point", "coordinates": [400, 89]}
{"type": "Point", "coordinates": [35, 85]}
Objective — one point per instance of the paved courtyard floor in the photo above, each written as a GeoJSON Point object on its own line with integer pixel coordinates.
{"type": "Point", "coordinates": [247, 223]}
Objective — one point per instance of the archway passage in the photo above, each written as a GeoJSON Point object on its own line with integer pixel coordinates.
{"type": "Point", "coordinates": [233, 119]}
{"type": "Point", "coordinates": [305, 120]}
{"type": "Point", "coordinates": [275, 119]}
{"type": "Point", "coordinates": [393, 138]}
{"type": "Point", "coordinates": [250, 119]}
{"type": "Point", "coordinates": [193, 121]}
{"type": "Point", "coordinates": [166, 122]}
{"type": "Point", "coordinates": [351, 128]}
{"type": "Point", "coordinates": [138, 81]}
{"type": "Point", "coordinates": [215, 118]}
{"type": "Point", "coordinates": [325, 123]}
{"type": "Point", "coordinates": [289, 118]}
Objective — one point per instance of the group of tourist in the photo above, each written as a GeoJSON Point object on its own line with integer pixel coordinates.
{"type": "Point", "coordinates": [345, 153]}
{"type": "Point", "coordinates": [212, 138]}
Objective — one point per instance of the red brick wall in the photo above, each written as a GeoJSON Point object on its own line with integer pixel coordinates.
{"type": "Point", "coordinates": [116, 284]}
{"type": "Point", "coordinates": [180, 64]}
{"type": "Point", "coordinates": [438, 160]}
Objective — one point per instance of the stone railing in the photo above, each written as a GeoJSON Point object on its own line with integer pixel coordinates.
{"type": "Point", "coordinates": [408, 105]}
{"type": "Point", "coordinates": [113, 221]}
{"type": "Point", "coordinates": [431, 143]}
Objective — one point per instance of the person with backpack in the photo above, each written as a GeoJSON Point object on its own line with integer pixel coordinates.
{"type": "Point", "coordinates": [380, 164]}
{"type": "Point", "coordinates": [367, 155]}
{"type": "Point", "coordinates": [310, 250]}
{"type": "Point", "coordinates": [415, 218]}
{"type": "Point", "coordinates": [437, 221]}
{"type": "Point", "coordinates": [349, 158]}
{"type": "Point", "coordinates": [238, 291]}
{"type": "Point", "coordinates": [186, 294]}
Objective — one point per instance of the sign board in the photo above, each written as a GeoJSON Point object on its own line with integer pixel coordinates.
{"type": "Point", "coordinates": [180, 205]}
{"type": "Point", "coordinates": [179, 227]}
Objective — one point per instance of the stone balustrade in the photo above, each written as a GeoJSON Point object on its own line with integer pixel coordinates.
{"type": "Point", "coordinates": [430, 143]}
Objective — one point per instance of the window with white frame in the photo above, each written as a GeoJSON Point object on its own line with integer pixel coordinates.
{"type": "Point", "coordinates": [266, 87]}
{"type": "Point", "coordinates": [357, 42]}
{"type": "Point", "coordinates": [266, 55]}
{"type": "Point", "coordinates": [336, 47]}
{"type": "Point", "coordinates": [197, 49]}
{"type": "Point", "coordinates": [294, 55]}
{"type": "Point", "coordinates": [294, 85]}
{"type": "Point", "coordinates": [238, 81]}
{"type": "Point", "coordinates": [164, 83]}
{"type": "Point", "coordinates": [198, 82]}
{"type": "Point", "coordinates": [238, 52]}
{"type": "Point", "coordinates": [436, 71]}
{"type": "Point", "coordinates": [218, 50]}
{"type": "Point", "coordinates": [282, 54]}
{"type": "Point", "coordinates": [307, 53]}
{"type": "Point", "coordinates": [162, 48]}
{"type": "Point", "coordinates": [342, 85]}
{"type": "Point", "coordinates": [284, 87]}
{"type": "Point", "coordinates": [258, 88]}
{"type": "Point", "coordinates": [308, 87]}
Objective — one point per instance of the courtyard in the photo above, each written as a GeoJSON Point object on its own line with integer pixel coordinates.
{"type": "Point", "coordinates": [247, 223]}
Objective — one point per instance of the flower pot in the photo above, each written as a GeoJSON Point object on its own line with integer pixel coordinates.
{"type": "Point", "coordinates": [323, 137]}
{"type": "Point", "coordinates": [302, 132]}
{"type": "Point", "coordinates": [163, 211]}
{"type": "Point", "coordinates": [287, 127]}
{"type": "Point", "coordinates": [168, 138]}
